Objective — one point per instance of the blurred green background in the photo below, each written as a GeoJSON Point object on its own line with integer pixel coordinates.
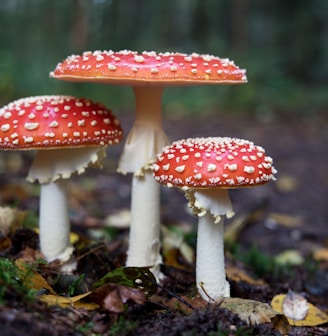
{"type": "Point", "coordinates": [282, 44]}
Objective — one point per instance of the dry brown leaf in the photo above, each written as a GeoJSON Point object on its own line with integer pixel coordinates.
{"type": "Point", "coordinates": [313, 317]}
{"type": "Point", "coordinates": [113, 297]}
{"type": "Point", "coordinates": [236, 274]}
{"type": "Point", "coordinates": [5, 243]}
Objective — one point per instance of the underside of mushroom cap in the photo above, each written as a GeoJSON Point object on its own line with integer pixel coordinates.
{"type": "Point", "coordinates": [51, 165]}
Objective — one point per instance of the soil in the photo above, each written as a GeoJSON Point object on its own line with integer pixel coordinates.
{"type": "Point", "coordinates": [288, 214]}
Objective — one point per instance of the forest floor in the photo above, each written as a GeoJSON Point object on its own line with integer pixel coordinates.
{"type": "Point", "coordinates": [276, 243]}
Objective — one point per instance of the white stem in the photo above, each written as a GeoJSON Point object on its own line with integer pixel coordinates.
{"type": "Point", "coordinates": [144, 244]}
{"type": "Point", "coordinates": [145, 140]}
{"type": "Point", "coordinates": [210, 272]}
{"type": "Point", "coordinates": [54, 222]}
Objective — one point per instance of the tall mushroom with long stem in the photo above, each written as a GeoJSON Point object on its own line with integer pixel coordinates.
{"type": "Point", "coordinates": [69, 135]}
{"type": "Point", "coordinates": [205, 168]}
{"type": "Point", "coordinates": [148, 73]}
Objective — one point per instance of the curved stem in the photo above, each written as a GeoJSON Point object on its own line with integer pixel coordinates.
{"type": "Point", "coordinates": [210, 272]}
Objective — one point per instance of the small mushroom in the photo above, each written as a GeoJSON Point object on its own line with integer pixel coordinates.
{"type": "Point", "coordinates": [148, 73]}
{"type": "Point", "coordinates": [205, 168]}
{"type": "Point", "coordinates": [69, 134]}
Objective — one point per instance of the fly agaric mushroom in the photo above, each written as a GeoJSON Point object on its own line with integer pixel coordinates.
{"type": "Point", "coordinates": [69, 134]}
{"type": "Point", "coordinates": [148, 73]}
{"type": "Point", "coordinates": [205, 168]}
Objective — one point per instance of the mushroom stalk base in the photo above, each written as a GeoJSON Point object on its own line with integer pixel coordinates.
{"type": "Point", "coordinates": [144, 244]}
{"type": "Point", "coordinates": [54, 224]}
{"type": "Point", "coordinates": [210, 272]}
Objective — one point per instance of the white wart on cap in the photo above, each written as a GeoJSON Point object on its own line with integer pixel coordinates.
{"type": "Point", "coordinates": [213, 162]}
{"type": "Point", "coordinates": [46, 122]}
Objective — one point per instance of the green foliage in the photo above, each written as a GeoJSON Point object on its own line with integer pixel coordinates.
{"type": "Point", "coordinates": [285, 59]}
{"type": "Point", "coordinates": [86, 329]}
{"type": "Point", "coordinates": [262, 264]}
{"type": "Point", "coordinates": [11, 287]}
{"type": "Point", "coordinates": [123, 326]}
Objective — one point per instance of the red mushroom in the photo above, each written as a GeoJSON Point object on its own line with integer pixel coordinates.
{"type": "Point", "coordinates": [69, 135]}
{"type": "Point", "coordinates": [205, 168]}
{"type": "Point", "coordinates": [148, 73]}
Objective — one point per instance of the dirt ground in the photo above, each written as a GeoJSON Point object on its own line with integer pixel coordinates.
{"type": "Point", "coordinates": [292, 215]}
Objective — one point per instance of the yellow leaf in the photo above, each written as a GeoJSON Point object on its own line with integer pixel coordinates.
{"type": "Point", "coordinates": [63, 301]}
{"type": "Point", "coordinates": [289, 257]}
{"type": "Point", "coordinates": [236, 274]}
{"type": "Point", "coordinates": [32, 279]}
{"type": "Point", "coordinates": [321, 254]}
{"type": "Point", "coordinates": [285, 220]}
{"type": "Point", "coordinates": [313, 317]}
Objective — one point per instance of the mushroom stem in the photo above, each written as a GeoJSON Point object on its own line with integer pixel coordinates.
{"type": "Point", "coordinates": [54, 224]}
{"type": "Point", "coordinates": [144, 242]}
{"type": "Point", "coordinates": [210, 272]}
{"type": "Point", "coordinates": [146, 139]}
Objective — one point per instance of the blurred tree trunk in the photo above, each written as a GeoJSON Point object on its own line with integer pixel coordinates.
{"type": "Point", "coordinates": [80, 26]}
{"type": "Point", "coordinates": [239, 24]}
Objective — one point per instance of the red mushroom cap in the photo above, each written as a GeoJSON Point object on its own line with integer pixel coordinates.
{"type": "Point", "coordinates": [213, 162]}
{"type": "Point", "coordinates": [56, 122]}
{"type": "Point", "coordinates": [131, 68]}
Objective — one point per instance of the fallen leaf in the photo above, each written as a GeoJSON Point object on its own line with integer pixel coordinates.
{"type": "Point", "coordinates": [236, 226]}
{"type": "Point", "coordinates": [250, 311]}
{"type": "Point", "coordinates": [289, 257]}
{"type": "Point", "coordinates": [313, 317]}
{"type": "Point", "coordinates": [64, 302]}
{"type": "Point", "coordinates": [236, 274]}
{"type": "Point", "coordinates": [119, 220]}
{"type": "Point", "coordinates": [173, 240]}
{"type": "Point", "coordinates": [134, 277]}
{"type": "Point", "coordinates": [321, 254]}
{"type": "Point", "coordinates": [285, 220]}
{"type": "Point", "coordinates": [5, 243]}
{"type": "Point", "coordinates": [31, 279]}
{"type": "Point", "coordinates": [10, 219]}
{"type": "Point", "coordinates": [114, 297]}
